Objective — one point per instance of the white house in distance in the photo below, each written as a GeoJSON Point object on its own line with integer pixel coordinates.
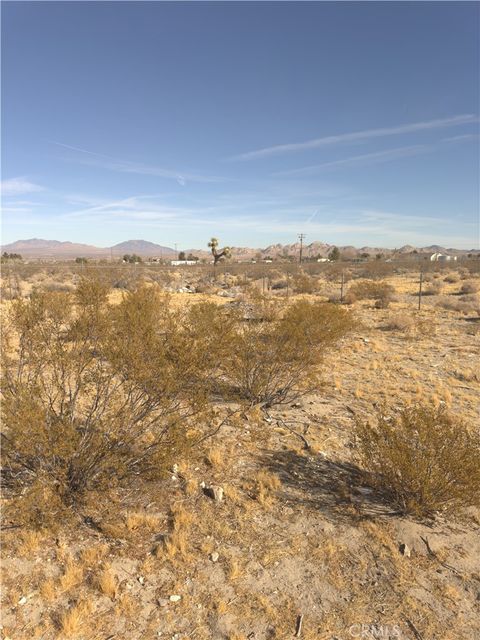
{"type": "Point", "coordinates": [442, 257]}
{"type": "Point", "coordinates": [178, 263]}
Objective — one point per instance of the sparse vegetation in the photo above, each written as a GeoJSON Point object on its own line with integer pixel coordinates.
{"type": "Point", "coordinates": [251, 396]}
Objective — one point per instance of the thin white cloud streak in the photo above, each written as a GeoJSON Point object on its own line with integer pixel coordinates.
{"type": "Point", "coordinates": [464, 138]}
{"type": "Point", "coordinates": [367, 158]}
{"type": "Point", "coordinates": [357, 135]}
{"type": "Point", "coordinates": [125, 166]}
{"type": "Point", "coordinates": [377, 157]}
{"type": "Point", "coordinates": [18, 187]}
{"type": "Point", "coordinates": [133, 208]}
{"type": "Point", "coordinates": [16, 210]}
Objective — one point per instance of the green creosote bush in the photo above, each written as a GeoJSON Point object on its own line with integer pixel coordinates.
{"type": "Point", "coordinates": [372, 290]}
{"type": "Point", "coordinates": [93, 395]}
{"type": "Point", "coordinates": [277, 362]}
{"type": "Point", "coordinates": [423, 459]}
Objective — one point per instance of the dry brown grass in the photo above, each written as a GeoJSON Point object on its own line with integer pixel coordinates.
{"type": "Point", "coordinates": [29, 543]}
{"type": "Point", "coordinates": [266, 486]}
{"type": "Point", "coordinates": [107, 582]}
{"type": "Point", "coordinates": [72, 574]}
{"type": "Point", "coordinates": [73, 620]}
{"type": "Point", "coordinates": [48, 590]}
{"type": "Point", "coordinates": [142, 520]}
{"type": "Point", "coordinates": [93, 554]}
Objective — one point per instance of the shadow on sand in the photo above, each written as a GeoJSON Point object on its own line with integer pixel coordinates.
{"type": "Point", "coordinates": [337, 489]}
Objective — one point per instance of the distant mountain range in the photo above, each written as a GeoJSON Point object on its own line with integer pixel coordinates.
{"type": "Point", "coordinates": [37, 248]}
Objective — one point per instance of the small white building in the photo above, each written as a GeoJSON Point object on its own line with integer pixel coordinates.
{"type": "Point", "coordinates": [179, 263]}
{"type": "Point", "coordinates": [323, 260]}
{"type": "Point", "coordinates": [442, 257]}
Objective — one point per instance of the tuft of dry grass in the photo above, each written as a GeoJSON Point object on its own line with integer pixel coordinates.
{"type": "Point", "coordinates": [72, 575]}
{"type": "Point", "coordinates": [93, 554]}
{"type": "Point", "coordinates": [107, 582]}
{"type": "Point", "coordinates": [47, 589]}
{"type": "Point", "coordinates": [266, 486]}
{"type": "Point", "coordinates": [141, 520]}
{"type": "Point", "coordinates": [30, 542]}
{"type": "Point", "coordinates": [72, 621]}
{"type": "Point", "coordinates": [216, 458]}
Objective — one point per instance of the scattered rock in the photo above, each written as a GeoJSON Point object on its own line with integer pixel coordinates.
{"type": "Point", "coordinates": [162, 602]}
{"type": "Point", "coordinates": [214, 556]}
{"type": "Point", "coordinates": [175, 598]}
{"type": "Point", "coordinates": [141, 579]}
{"type": "Point", "coordinates": [405, 550]}
{"type": "Point", "coordinates": [215, 492]}
{"type": "Point", "coordinates": [23, 600]}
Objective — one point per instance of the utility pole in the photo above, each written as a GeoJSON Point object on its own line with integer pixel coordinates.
{"type": "Point", "coordinates": [301, 237]}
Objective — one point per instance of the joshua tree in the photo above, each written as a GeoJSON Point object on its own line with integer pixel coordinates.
{"type": "Point", "coordinates": [217, 255]}
{"type": "Point", "coordinates": [334, 254]}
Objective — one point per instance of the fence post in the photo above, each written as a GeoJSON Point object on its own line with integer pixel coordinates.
{"type": "Point", "coordinates": [420, 290]}
{"type": "Point", "coordinates": [341, 287]}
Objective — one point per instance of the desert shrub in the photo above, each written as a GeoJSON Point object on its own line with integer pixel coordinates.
{"type": "Point", "coordinates": [434, 289]}
{"type": "Point", "coordinates": [279, 284]}
{"type": "Point", "coordinates": [275, 362]}
{"type": "Point", "coordinates": [400, 322]}
{"type": "Point", "coordinates": [57, 286]}
{"type": "Point", "coordinates": [372, 290]}
{"type": "Point", "coordinates": [303, 283]}
{"type": "Point", "coordinates": [376, 270]}
{"type": "Point", "coordinates": [349, 298]}
{"type": "Point", "coordinates": [93, 396]}
{"type": "Point", "coordinates": [465, 304]}
{"type": "Point", "coordinates": [413, 326]}
{"type": "Point", "coordinates": [383, 303]}
{"type": "Point", "coordinates": [333, 273]}
{"type": "Point", "coordinates": [11, 288]}
{"type": "Point", "coordinates": [452, 278]}
{"type": "Point", "coordinates": [469, 287]}
{"type": "Point", "coordinates": [210, 330]}
{"type": "Point", "coordinates": [422, 458]}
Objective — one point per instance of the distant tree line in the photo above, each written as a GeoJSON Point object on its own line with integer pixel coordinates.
{"type": "Point", "coordinates": [10, 256]}
{"type": "Point", "coordinates": [131, 258]}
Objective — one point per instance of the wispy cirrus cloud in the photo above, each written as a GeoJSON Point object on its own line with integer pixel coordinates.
{"type": "Point", "coordinates": [366, 158]}
{"type": "Point", "coordinates": [133, 208]}
{"type": "Point", "coordinates": [387, 155]}
{"type": "Point", "coordinates": [84, 156]}
{"type": "Point", "coordinates": [315, 143]}
{"type": "Point", "coordinates": [18, 186]}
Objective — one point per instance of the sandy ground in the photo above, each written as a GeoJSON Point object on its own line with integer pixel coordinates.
{"type": "Point", "coordinates": [297, 545]}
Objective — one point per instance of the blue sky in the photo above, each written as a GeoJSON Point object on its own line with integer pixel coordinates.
{"type": "Point", "coordinates": [355, 123]}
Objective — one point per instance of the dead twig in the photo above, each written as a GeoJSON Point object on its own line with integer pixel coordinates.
{"type": "Point", "coordinates": [414, 629]}
{"type": "Point", "coordinates": [433, 555]}
{"type": "Point", "coordinates": [299, 625]}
